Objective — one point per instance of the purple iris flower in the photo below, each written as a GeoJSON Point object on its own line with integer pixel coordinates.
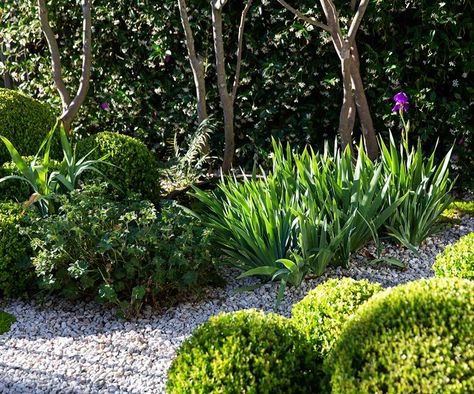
{"type": "Point", "coordinates": [401, 102]}
{"type": "Point", "coordinates": [105, 106]}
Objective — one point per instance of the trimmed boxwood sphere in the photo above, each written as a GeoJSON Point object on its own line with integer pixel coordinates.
{"type": "Point", "coordinates": [244, 352]}
{"type": "Point", "coordinates": [457, 260]}
{"type": "Point", "coordinates": [323, 312]}
{"type": "Point", "coordinates": [413, 338]}
{"type": "Point", "coordinates": [136, 168]}
{"type": "Point", "coordinates": [17, 276]}
{"type": "Point", "coordinates": [25, 122]}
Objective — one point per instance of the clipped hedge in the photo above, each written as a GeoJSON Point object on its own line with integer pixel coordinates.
{"type": "Point", "coordinates": [135, 168]}
{"type": "Point", "coordinates": [414, 338]}
{"type": "Point", "coordinates": [244, 352]}
{"type": "Point", "coordinates": [16, 272]}
{"type": "Point", "coordinates": [457, 260]}
{"type": "Point", "coordinates": [291, 84]}
{"type": "Point", "coordinates": [6, 320]}
{"type": "Point", "coordinates": [323, 312]}
{"type": "Point", "coordinates": [25, 122]}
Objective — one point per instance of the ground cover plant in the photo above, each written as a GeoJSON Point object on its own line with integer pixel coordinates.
{"type": "Point", "coordinates": [423, 328]}
{"type": "Point", "coordinates": [244, 352]}
{"type": "Point", "coordinates": [127, 253]}
{"type": "Point", "coordinates": [457, 260]}
{"type": "Point", "coordinates": [6, 320]}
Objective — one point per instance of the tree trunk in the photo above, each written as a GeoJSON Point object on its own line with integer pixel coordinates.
{"type": "Point", "coordinates": [347, 109]}
{"type": "Point", "coordinates": [368, 131]}
{"type": "Point", "coordinates": [225, 97]}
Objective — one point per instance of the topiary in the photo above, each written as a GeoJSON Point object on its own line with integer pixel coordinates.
{"type": "Point", "coordinates": [16, 272]}
{"type": "Point", "coordinates": [15, 189]}
{"type": "Point", "coordinates": [323, 312]}
{"type": "Point", "coordinates": [414, 338]}
{"type": "Point", "coordinates": [457, 260]}
{"type": "Point", "coordinates": [25, 122]}
{"type": "Point", "coordinates": [135, 169]}
{"type": "Point", "coordinates": [244, 352]}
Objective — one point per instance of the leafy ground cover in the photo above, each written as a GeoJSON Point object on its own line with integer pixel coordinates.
{"type": "Point", "coordinates": [6, 320]}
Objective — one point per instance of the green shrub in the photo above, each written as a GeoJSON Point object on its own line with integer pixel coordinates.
{"type": "Point", "coordinates": [459, 208]}
{"type": "Point", "coordinates": [136, 169]}
{"type": "Point", "coordinates": [24, 121]}
{"type": "Point", "coordinates": [16, 272]}
{"type": "Point", "coordinates": [457, 260]}
{"type": "Point", "coordinates": [244, 352]}
{"type": "Point", "coordinates": [6, 320]}
{"type": "Point", "coordinates": [125, 252]}
{"type": "Point", "coordinates": [15, 189]}
{"type": "Point", "coordinates": [414, 338]}
{"type": "Point", "coordinates": [323, 312]}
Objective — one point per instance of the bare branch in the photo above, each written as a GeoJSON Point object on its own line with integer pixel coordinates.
{"type": "Point", "coordinates": [303, 17]}
{"type": "Point", "coordinates": [332, 18]}
{"type": "Point", "coordinates": [55, 58]}
{"type": "Point", "coordinates": [81, 94]}
{"type": "Point", "coordinates": [356, 21]}
{"type": "Point", "coordinates": [239, 49]}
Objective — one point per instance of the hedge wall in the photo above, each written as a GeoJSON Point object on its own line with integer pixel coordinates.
{"type": "Point", "coordinates": [290, 76]}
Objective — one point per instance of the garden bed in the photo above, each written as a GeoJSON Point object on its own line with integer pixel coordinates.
{"type": "Point", "coordinates": [61, 346]}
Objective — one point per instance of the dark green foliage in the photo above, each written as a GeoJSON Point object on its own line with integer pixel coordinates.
{"type": "Point", "coordinates": [14, 189]}
{"type": "Point", "coordinates": [323, 312]}
{"type": "Point", "coordinates": [24, 121]}
{"type": "Point", "coordinates": [312, 210]}
{"type": "Point", "coordinates": [135, 168]}
{"type": "Point", "coordinates": [6, 320]}
{"type": "Point", "coordinates": [457, 260]}
{"type": "Point", "coordinates": [125, 252]}
{"type": "Point", "coordinates": [16, 272]}
{"type": "Point", "coordinates": [414, 338]}
{"type": "Point", "coordinates": [244, 352]}
{"type": "Point", "coordinates": [291, 84]}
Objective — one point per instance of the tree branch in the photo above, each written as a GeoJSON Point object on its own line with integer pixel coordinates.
{"type": "Point", "coordinates": [356, 21]}
{"type": "Point", "coordinates": [239, 49]}
{"type": "Point", "coordinates": [81, 94]}
{"type": "Point", "coordinates": [55, 58]}
{"type": "Point", "coordinates": [303, 17]}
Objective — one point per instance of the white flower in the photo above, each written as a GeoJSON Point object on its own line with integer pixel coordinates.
{"type": "Point", "coordinates": [455, 83]}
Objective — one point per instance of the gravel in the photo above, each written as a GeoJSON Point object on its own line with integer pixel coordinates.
{"type": "Point", "coordinates": [64, 347]}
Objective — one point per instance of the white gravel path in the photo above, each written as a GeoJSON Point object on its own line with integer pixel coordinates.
{"type": "Point", "coordinates": [61, 347]}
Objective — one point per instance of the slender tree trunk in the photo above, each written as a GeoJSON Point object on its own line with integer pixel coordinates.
{"type": "Point", "coordinates": [225, 97]}
{"type": "Point", "coordinates": [196, 62]}
{"type": "Point", "coordinates": [347, 114]}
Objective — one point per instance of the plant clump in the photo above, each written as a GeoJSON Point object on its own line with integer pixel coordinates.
{"type": "Point", "coordinates": [122, 251]}
{"type": "Point", "coordinates": [244, 352]}
{"type": "Point", "coordinates": [413, 338]}
{"type": "Point", "coordinates": [25, 121]}
{"type": "Point", "coordinates": [457, 260]}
